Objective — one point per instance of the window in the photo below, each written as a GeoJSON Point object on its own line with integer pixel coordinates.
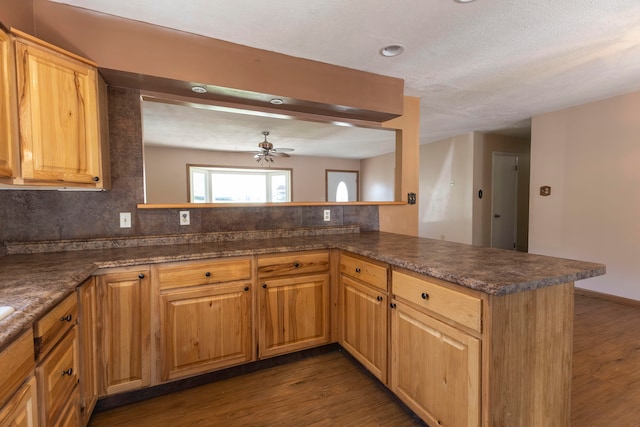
{"type": "Point", "coordinates": [209, 184]}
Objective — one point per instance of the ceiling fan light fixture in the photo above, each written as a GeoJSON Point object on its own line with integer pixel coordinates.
{"type": "Point", "coordinates": [199, 89]}
{"type": "Point", "coordinates": [392, 50]}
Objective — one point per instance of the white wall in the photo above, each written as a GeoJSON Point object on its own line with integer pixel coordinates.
{"type": "Point", "coordinates": [590, 156]}
{"type": "Point", "coordinates": [377, 176]}
{"type": "Point", "coordinates": [446, 187]}
{"type": "Point", "coordinates": [166, 172]}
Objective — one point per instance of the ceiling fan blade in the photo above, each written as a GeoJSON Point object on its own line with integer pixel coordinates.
{"type": "Point", "coordinates": [284, 150]}
{"type": "Point", "coordinates": [279, 154]}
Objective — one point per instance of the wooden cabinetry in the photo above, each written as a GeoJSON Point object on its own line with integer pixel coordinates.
{"type": "Point", "coordinates": [364, 312]}
{"type": "Point", "coordinates": [293, 302]}
{"type": "Point", "coordinates": [21, 409]}
{"type": "Point", "coordinates": [60, 129]}
{"type": "Point", "coordinates": [18, 395]}
{"type": "Point", "coordinates": [88, 347]}
{"type": "Point", "coordinates": [205, 316]}
{"type": "Point", "coordinates": [435, 366]}
{"type": "Point", "coordinates": [57, 370]}
{"type": "Point", "coordinates": [8, 110]}
{"type": "Point", "coordinates": [124, 330]}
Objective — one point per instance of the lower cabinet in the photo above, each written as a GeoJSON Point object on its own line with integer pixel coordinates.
{"type": "Point", "coordinates": [435, 368]}
{"type": "Point", "coordinates": [88, 347]}
{"type": "Point", "coordinates": [205, 328]}
{"type": "Point", "coordinates": [293, 314]}
{"type": "Point", "coordinates": [124, 331]}
{"type": "Point", "coordinates": [364, 325]}
{"type": "Point", "coordinates": [293, 302]}
{"type": "Point", "coordinates": [21, 410]}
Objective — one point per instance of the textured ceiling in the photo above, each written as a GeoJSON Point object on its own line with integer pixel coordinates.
{"type": "Point", "coordinates": [482, 66]}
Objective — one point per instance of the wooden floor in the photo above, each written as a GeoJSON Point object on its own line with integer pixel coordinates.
{"type": "Point", "coordinates": [606, 364]}
{"type": "Point", "coordinates": [324, 390]}
{"type": "Point", "coordinates": [330, 390]}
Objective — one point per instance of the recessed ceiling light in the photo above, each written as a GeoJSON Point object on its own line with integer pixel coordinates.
{"type": "Point", "coordinates": [392, 50]}
{"type": "Point", "coordinates": [463, 1]}
{"type": "Point", "coordinates": [277, 101]}
{"type": "Point", "coordinates": [199, 89]}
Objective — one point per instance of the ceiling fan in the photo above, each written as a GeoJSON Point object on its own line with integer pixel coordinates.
{"type": "Point", "coordinates": [267, 152]}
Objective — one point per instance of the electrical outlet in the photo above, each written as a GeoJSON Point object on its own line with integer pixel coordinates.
{"type": "Point", "coordinates": [125, 219]}
{"type": "Point", "coordinates": [185, 218]}
{"type": "Point", "coordinates": [327, 215]}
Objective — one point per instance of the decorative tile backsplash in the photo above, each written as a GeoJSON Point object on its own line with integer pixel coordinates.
{"type": "Point", "coordinates": [33, 215]}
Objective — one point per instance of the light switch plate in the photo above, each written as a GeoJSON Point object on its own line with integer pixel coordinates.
{"type": "Point", "coordinates": [125, 219]}
{"type": "Point", "coordinates": [185, 218]}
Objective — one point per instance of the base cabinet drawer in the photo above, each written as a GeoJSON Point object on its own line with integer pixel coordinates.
{"type": "Point", "coordinates": [22, 409]}
{"type": "Point", "coordinates": [433, 295]}
{"type": "Point", "coordinates": [57, 377]}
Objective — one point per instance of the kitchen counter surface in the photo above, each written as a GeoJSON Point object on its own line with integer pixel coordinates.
{"type": "Point", "coordinates": [33, 283]}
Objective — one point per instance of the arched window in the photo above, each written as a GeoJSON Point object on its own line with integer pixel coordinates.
{"type": "Point", "coordinates": [342, 193]}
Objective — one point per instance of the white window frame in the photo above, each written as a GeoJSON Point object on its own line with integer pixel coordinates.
{"type": "Point", "coordinates": [209, 171]}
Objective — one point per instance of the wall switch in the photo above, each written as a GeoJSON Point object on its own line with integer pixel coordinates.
{"type": "Point", "coordinates": [185, 218]}
{"type": "Point", "coordinates": [327, 215]}
{"type": "Point", "coordinates": [125, 219]}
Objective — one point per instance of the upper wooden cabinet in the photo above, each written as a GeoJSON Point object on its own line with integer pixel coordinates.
{"type": "Point", "coordinates": [61, 135]}
{"type": "Point", "coordinates": [8, 109]}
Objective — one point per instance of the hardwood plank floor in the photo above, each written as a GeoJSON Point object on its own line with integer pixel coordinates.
{"type": "Point", "coordinates": [330, 390]}
{"type": "Point", "coordinates": [324, 390]}
{"type": "Point", "coordinates": [606, 364]}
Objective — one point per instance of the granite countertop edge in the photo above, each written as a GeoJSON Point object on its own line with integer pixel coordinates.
{"type": "Point", "coordinates": [54, 276]}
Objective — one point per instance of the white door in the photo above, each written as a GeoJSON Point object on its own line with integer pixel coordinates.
{"type": "Point", "coordinates": [342, 186]}
{"type": "Point", "coordinates": [504, 197]}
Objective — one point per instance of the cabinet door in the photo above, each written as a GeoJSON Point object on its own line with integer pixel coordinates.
{"type": "Point", "coordinates": [124, 331]}
{"type": "Point", "coordinates": [364, 325]}
{"type": "Point", "coordinates": [21, 409]}
{"type": "Point", "coordinates": [294, 314]}
{"type": "Point", "coordinates": [58, 116]}
{"type": "Point", "coordinates": [57, 378]}
{"type": "Point", "coordinates": [8, 110]}
{"type": "Point", "coordinates": [435, 368]}
{"type": "Point", "coordinates": [88, 347]}
{"type": "Point", "coordinates": [205, 328]}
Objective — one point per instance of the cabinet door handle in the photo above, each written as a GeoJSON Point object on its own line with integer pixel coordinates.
{"type": "Point", "coordinates": [425, 295]}
{"type": "Point", "coordinates": [357, 269]}
{"type": "Point", "coordinates": [246, 288]}
{"type": "Point", "coordinates": [66, 318]}
{"type": "Point", "coordinates": [96, 178]}
{"type": "Point", "coordinates": [264, 285]}
{"type": "Point", "coordinates": [67, 372]}
{"type": "Point", "coordinates": [296, 264]}
{"type": "Point", "coordinates": [392, 305]}
{"type": "Point", "coordinates": [379, 298]}
{"type": "Point", "coordinates": [208, 274]}
{"type": "Point", "coordinates": [141, 276]}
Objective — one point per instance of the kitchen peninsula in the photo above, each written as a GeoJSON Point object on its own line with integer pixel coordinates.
{"type": "Point", "coordinates": [503, 319]}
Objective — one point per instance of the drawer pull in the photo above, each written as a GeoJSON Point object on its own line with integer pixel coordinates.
{"type": "Point", "coordinates": [379, 298]}
{"type": "Point", "coordinates": [392, 305]}
{"type": "Point", "coordinates": [264, 285]}
{"type": "Point", "coordinates": [246, 288]}
{"type": "Point", "coordinates": [67, 372]}
{"type": "Point", "coordinates": [358, 270]}
{"type": "Point", "coordinates": [425, 295]}
{"type": "Point", "coordinates": [66, 318]}
{"type": "Point", "coordinates": [296, 264]}
{"type": "Point", "coordinates": [208, 274]}
{"type": "Point", "coordinates": [141, 276]}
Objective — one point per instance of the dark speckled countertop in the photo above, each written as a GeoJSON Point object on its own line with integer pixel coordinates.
{"type": "Point", "coordinates": [33, 283]}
